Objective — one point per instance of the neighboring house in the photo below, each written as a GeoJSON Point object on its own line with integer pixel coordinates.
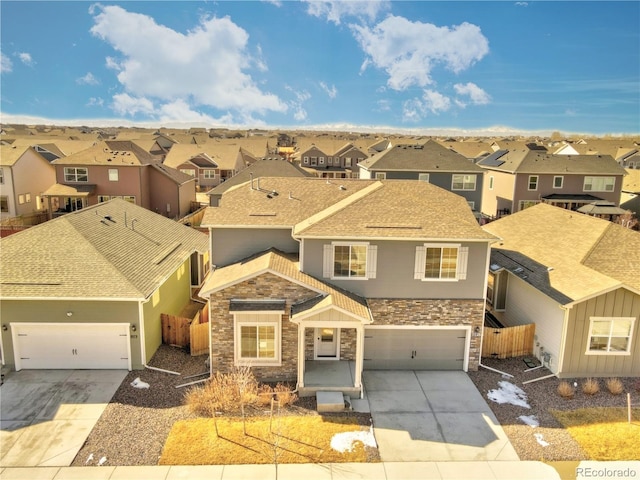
{"type": "Point", "coordinates": [341, 162]}
{"type": "Point", "coordinates": [86, 290]}
{"type": "Point", "coordinates": [261, 168]}
{"type": "Point", "coordinates": [25, 173]}
{"type": "Point", "coordinates": [630, 196]}
{"type": "Point", "coordinates": [119, 169]}
{"type": "Point", "coordinates": [429, 162]}
{"type": "Point", "coordinates": [386, 274]}
{"type": "Point", "coordinates": [518, 179]}
{"type": "Point", "coordinates": [210, 164]}
{"type": "Point", "coordinates": [578, 279]}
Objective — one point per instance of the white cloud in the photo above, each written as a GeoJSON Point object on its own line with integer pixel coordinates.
{"type": "Point", "coordinates": [95, 102]}
{"type": "Point", "coordinates": [332, 92]}
{"type": "Point", "coordinates": [336, 10]}
{"type": "Point", "coordinates": [6, 66]}
{"type": "Point", "coordinates": [26, 58]}
{"type": "Point", "coordinates": [297, 105]}
{"type": "Point", "coordinates": [522, 4]}
{"type": "Point", "coordinates": [204, 67]}
{"type": "Point", "coordinates": [383, 105]}
{"type": "Point", "coordinates": [477, 95]}
{"type": "Point", "coordinates": [88, 79]}
{"type": "Point", "coordinates": [275, 3]}
{"type": "Point", "coordinates": [125, 104]}
{"type": "Point", "coordinates": [434, 102]}
{"type": "Point", "coordinates": [408, 51]}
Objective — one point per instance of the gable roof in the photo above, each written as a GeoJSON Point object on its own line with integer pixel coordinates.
{"type": "Point", "coordinates": [115, 250]}
{"type": "Point", "coordinates": [532, 161]}
{"type": "Point", "coordinates": [566, 253]}
{"type": "Point", "coordinates": [224, 155]}
{"type": "Point", "coordinates": [428, 157]}
{"type": "Point", "coordinates": [110, 152]}
{"type": "Point", "coordinates": [286, 266]}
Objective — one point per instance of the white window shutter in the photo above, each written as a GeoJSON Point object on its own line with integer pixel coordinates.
{"type": "Point", "coordinates": [463, 258]}
{"type": "Point", "coordinates": [327, 264]}
{"type": "Point", "coordinates": [372, 259]}
{"type": "Point", "coordinates": [421, 257]}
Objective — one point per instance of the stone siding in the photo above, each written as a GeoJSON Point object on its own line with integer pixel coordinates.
{"type": "Point", "coordinates": [348, 343]}
{"type": "Point", "coordinates": [265, 286]}
{"type": "Point", "coordinates": [420, 312]}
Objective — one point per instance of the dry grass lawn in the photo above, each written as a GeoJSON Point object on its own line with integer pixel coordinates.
{"type": "Point", "coordinates": [603, 433]}
{"type": "Point", "coordinates": [293, 439]}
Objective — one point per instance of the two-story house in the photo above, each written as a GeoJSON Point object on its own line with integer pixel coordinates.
{"type": "Point", "coordinates": [428, 162]}
{"type": "Point", "coordinates": [329, 162]}
{"type": "Point", "coordinates": [119, 169]}
{"type": "Point", "coordinates": [310, 274]}
{"type": "Point", "coordinates": [25, 173]}
{"type": "Point", "coordinates": [517, 179]}
{"type": "Point", "coordinates": [211, 163]}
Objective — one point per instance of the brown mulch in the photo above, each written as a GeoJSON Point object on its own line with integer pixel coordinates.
{"type": "Point", "coordinates": [542, 397]}
{"type": "Point", "coordinates": [136, 423]}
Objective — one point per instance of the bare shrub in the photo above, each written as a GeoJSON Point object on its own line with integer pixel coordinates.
{"type": "Point", "coordinates": [615, 386]}
{"type": "Point", "coordinates": [284, 395]}
{"type": "Point", "coordinates": [590, 386]}
{"type": "Point", "coordinates": [566, 390]}
{"type": "Point", "coordinates": [265, 393]}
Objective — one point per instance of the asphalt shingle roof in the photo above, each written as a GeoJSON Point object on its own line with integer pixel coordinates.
{"type": "Point", "coordinates": [87, 255]}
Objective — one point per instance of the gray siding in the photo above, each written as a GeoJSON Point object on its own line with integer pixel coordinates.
{"type": "Point", "coordinates": [395, 268]}
{"type": "Point", "coordinates": [619, 303]}
{"type": "Point", "coordinates": [232, 245]}
{"type": "Point", "coordinates": [39, 311]}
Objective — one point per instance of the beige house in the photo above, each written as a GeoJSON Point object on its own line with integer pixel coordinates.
{"type": "Point", "coordinates": [578, 279]}
{"type": "Point", "coordinates": [86, 290]}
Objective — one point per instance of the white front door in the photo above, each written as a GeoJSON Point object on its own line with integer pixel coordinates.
{"type": "Point", "coordinates": [326, 343]}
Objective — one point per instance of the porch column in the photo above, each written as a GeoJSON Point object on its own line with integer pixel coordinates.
{"type": "Point", "coordinates": [359, 356]}
{"type": "Point", "coordinates": [301, 359]}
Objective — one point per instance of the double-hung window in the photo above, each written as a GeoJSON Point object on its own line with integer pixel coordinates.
{"type": "Point", "coordinates": [76, 174]}
{"type": "Point", "coordinates": [610, 335]}
{"type": "Point", "coordinates": [558, 181]}
{"type": "Point", "coordinates": [350, 261]}
{"type": "Point", "coordinates": [423, 177]}
{"type": "Point", "coordinates": [113, 174]}
{"type": "Point", "coordinates": [463, 182]}
{"type": "Point", "coordinates": [209, 173]}
{"type": "Point", "coordinates": [441, 262]}
{"type": "Point", "coordinates": [599, 184]}
{"type": "Point", "coordinates": [257, 338]}
{"type": "Point", "coordinates": [381, 175]}
{"type": "Point", "coordinates": [533, 182]}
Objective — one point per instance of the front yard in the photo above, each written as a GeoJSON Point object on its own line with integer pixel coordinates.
{"type": "Point", "coordinates": [542, 425]}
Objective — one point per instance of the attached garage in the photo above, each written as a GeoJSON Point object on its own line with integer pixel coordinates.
{"type": "Point", "coordinates": [429, 348]}
{"type": "Point", "coordinates": [71, 346]}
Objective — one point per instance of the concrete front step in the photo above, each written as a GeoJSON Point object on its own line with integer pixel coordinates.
{"type": "Point", "coordinates": [329, 402]}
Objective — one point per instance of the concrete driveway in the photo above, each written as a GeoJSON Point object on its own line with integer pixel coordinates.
{"type": "Point", "coordinates": [46, 415]}
{"type": "Point", "coordinates": [427, 416]}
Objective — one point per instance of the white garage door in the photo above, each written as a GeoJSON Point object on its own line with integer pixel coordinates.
{"type": "Point", "coordinates": [71, 346]}
{"type": "Point", "coordinates": [414, 349]}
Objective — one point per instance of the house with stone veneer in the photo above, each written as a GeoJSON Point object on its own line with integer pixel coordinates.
{"type": "Point", "coordinates": [313, 275]}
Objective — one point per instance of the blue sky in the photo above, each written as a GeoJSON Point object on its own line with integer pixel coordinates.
{"type": "Point", "coordinates": [418, 66]}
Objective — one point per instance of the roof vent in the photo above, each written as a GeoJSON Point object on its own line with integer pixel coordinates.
{"type": "Point", "coordinates": [342, 187]}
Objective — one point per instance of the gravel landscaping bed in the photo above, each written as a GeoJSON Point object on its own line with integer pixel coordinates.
{"type": "Point", "coordinates": [136, 423]}
{"type": "Point", "coordinates": [529, 442]}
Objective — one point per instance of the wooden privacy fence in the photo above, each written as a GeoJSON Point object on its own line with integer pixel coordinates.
{"type": "Point", "coordinates": [191, 332]}
{"type": "Point", "coordinates": [508, 342]}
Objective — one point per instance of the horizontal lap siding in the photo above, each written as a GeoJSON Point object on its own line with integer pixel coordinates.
{"type": "Point", "coordinates": [618, 303]}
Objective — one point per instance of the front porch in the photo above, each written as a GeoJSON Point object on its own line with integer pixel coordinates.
{"type": "Point", "coordinates": [330, 376]}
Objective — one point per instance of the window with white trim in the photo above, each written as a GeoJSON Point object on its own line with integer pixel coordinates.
{"type": "Point", "coordinates": [558, 181]}
{"type": "Point", "coordinates": [76, 174]}
{"type": "Point", "coordinates": [330, 160]}
{"type": "Point", "coordinates": [20, 199]}
{"type": "Point", "coordinates": [381, 176]}
{"type": "Point", "coordinates": [257, 338]}
{"type": "Point", "coordinates": [189, 171]}
{"type": "Point", "coordinates": [103, 198]}
{"type": "Point", "coordinates": [113, 174]}
{"type": "Point", "coordinates": [599, 184]}
{"type": "Point", "coordinates": [321, 161]}
{"type": "Point", "coordinates": [463, 182]}
{"type": "Point", "coordinates": [423, 177]}
{"type": "Point", "coordinates": [528, 203]}
{"type": "Point", "coordinates": [1, 176]}
{"type": "Point", "coordinates": [610, 335]}
{"type": "Point", "coordinates": [209, 173]}
{"type": "Point", "coordinates": [27, 197]}
{"type": "Point", "coordinates": [129, 198]}
{"type": "Point", "coordinates": [305, 160]}
{"type": "Point", "coordinates": [441, 262]}
{"type": "Point", "coordinates": [533, 182]}
{"type": "Point", "coordinates": [350, 260]}
{"type": "Point", "coordinates": [4, 203]}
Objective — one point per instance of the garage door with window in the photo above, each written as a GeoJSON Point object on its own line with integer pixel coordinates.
{"type": "Point", "coordinates": [71, 346]}
{"type": "Point", "coordinates": [414, 349]}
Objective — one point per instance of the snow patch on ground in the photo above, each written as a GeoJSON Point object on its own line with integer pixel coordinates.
{"type": "Point", "coordinates": [509, 393]}
{"type": "Point", "coordinates": [345, 441]}
{"type": "Point", "coordinates": [540, 439]}
{"type": "Point", "coordinates": [531, 420]}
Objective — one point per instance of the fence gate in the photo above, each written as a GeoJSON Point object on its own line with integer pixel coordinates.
{"type": "Point", "coordinates": [508, 342]}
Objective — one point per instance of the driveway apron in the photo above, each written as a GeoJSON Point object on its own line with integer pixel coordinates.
{"type": "Point", "coordinates": [433, 416]}
{"type": "Point", "coordinates": [46, 415]}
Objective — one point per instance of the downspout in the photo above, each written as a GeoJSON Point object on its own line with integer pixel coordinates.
{"type": "Point", "coordinates": [563, 338]}
{"type": "Point", "coordinates": [143, 350]}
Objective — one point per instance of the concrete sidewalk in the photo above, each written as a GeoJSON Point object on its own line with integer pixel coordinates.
{"type": "Point", "coordinates": [504, 470]}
